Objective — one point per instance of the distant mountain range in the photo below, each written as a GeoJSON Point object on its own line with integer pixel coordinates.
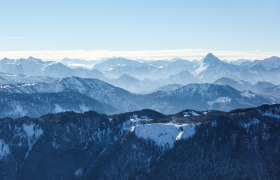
{"type": "Point", "coordinates": [241, 144]}
{"type": "Point", "coordinates": [93, 94]}
{"type": "Point", "coordinates": [261, 87]}
{"type": "Point", "coordinates": [143, 76]}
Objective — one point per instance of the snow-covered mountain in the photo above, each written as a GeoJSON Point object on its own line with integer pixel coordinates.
{"type": "Point", "coordinates": [30, 66]}
{"type": "Point", "coordinates": [240, 85]}
{"type": "Point", "coordinates": [37, 104]}
{"type": "Point", "coordinates": [6, 78]}
{"type": "Point", "coordinates": [36, 67]}
{"type": "Point", "coordinates": [183, 77]}
{"type": "Point", "coordinates": [194, 96]}
{"type": "Point", "coordinates": [153, 70]}
{"type": "Point", "coordinates": [63, 135]}
{"type": "Point", "coordinates": [266, 89]}
{"type": "Point", "coordinates": [262, 70]}
{"type": "Point", "coordinates": [149, 75]}
{"type": "Point", "coordinates": [212, 68]}
{"type": "Point", "coordinates": [74, 63]}
{"type": "Point", "coordinates": [260, 85]}
{"type": "Point", "coordinates": [128, 82]}
{"type": "Point", "coordinates": [143, 145]}
{"type": "Point", "coordinates": [169, 87]}
{"type": "Point", "coordinates": [93, 88]}
{"type": "Point", "coordinates": [270, 91]}
{"type": "Point", "coordinates": [203, 97]}
{"type": "Point", "coordinates": [268, 64]}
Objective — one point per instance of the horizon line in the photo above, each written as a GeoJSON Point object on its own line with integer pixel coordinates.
{"type": "Point", "coordinates": [187, 54]}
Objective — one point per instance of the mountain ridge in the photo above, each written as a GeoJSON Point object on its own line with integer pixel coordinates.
{"type": "Point", "coordinates": [149, 74]}
{"type": "Point", "coordinates": [96, 146]}
{"type": "Point", "coordinates": [195, 96]}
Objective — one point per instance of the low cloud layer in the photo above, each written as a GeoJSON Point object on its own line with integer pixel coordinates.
{"type": "Point", "coordinates": [190, 54]}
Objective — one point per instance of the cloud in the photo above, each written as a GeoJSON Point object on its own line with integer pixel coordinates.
{"type": "Point", "coordinates": [141, 54]}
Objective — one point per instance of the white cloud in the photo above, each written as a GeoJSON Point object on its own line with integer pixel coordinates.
{"type": "Point", "coordinates": [141, 54]}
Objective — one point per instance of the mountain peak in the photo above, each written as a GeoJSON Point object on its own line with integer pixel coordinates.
{"type": "Point", "coordinates": [210, 59]}
{"type": "Point", "coordinates": [210, 55]}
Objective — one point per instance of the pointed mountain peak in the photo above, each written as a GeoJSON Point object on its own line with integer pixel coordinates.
{"type": "Point", "coordinates": [210, 55]}
{"type": "Point", "coordinates": [210, 59]}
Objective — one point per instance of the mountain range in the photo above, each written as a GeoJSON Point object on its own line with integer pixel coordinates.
{"type": "Point", "coordinates": [241, 144]}
{"type": "Point", "coordinates": [137, 119]}
{"type": "Point", "coordinates": [142, 76]}
{"type": "Point", "coordinates": [82, 94]}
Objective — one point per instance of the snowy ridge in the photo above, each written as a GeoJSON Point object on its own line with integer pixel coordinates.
{"type": "Point", "coordinates": [164, 135]}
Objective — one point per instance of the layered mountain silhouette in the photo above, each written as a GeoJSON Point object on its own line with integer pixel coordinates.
{"type": "Point", "coordinates": [146, 76]}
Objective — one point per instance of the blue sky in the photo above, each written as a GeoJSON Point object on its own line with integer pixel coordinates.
{"type": "Point", "coordinates": [237, 25]}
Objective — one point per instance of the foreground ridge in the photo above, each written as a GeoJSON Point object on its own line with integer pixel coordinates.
{"type": "Point", "coordinates": [143, 144]}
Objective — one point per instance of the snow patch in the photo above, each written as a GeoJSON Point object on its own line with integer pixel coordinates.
{"type": "Point", "coordinates": [188, 130]}
{"type": "Point", "coordinates": [191, 113]}
{"type": "Point", "coordinates": [132, 128]}
{"type": "Point", "coordinates": [200, 70]}
{"type": "Point", "coordinates": [84, 108]}
{"type": "Point", "coordinates": [127, 125]}
{"type": "Point", "coordinates": [136, 119]}
{"type": "Point", "coordinates": [58, 108]}
{"type": "Point", "coordinates": [164, 135]}
{"type": "Point", "coordinates": [20, 111]}
{"type": "Point", "coordinates": [223, 100]}
{"type": "Point", "coordinates": [179, 136]}
{"type": "Point", "coordinates": [79, 172]}
{"type": "Point", "coordinates": [250, 123]}
{"type": "Point", "coordinates": [4, 149]}
{"type": "Point", "coordinates": [33, 133]}
{"type": "Point", "coordinates": [214, 123]}
{"type": "Point", "coordinates": [248, 94]}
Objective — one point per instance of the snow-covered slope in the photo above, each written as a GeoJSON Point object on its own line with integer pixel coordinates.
{"type": "Point", "coordinates": [38, 104]}
{"type": "Point", "coordinates": [164, 135]}
{"type": "Point", "coordinates": [93, 88]}
{"type": "Point", "coordinates": [212, 68]}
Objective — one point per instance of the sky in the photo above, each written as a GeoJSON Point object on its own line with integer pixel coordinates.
{"type": "Point", "coordinates": [88, 28]}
